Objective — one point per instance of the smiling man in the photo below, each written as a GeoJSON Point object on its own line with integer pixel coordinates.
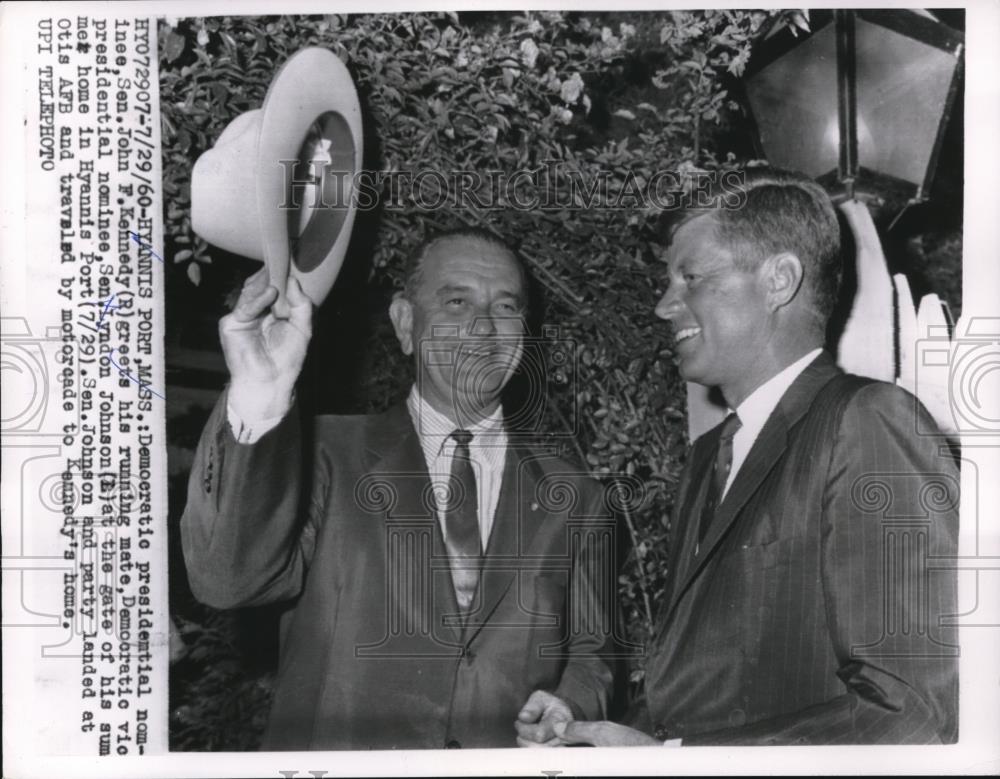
{"type": "Point", "coordinates": [809, 595]}
{"type": "Point", "coordinates": [430, 589]}
{"type": "Point", "coordinates": [462, 314]}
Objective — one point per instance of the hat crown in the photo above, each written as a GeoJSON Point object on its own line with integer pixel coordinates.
{"type": "Point", "coordinates": [263, 191]}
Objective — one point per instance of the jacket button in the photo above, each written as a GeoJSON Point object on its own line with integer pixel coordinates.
{"type": "Point", "coordinates": [453, 744]}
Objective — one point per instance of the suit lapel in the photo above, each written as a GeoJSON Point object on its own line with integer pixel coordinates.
{"type": "Point", "coordinates": [769, 447]}
{"type": "Point", "coordinates": [683, 531]}
{"type": "Point", "coordinates": [395, 459]}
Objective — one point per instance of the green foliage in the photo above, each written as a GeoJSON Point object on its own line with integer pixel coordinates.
{"type": "Point", "coordinates": [612, 96]}
{"type": "Point", "coordinates": [218, 699]}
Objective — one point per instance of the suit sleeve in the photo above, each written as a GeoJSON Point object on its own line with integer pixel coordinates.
{"type": "Point", "coordinates": [244, 538]}
{"type": "Point", "coordinates": [587, 679]}
{"type": "Point", "coordinates": [889, 530]}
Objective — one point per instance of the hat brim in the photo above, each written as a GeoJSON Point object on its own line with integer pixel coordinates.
{"type": "Point", "coordinates": [313, 85]}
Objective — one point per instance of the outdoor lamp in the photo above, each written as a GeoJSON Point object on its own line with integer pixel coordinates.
{"type": "Point", "coordinates": [860, 103]}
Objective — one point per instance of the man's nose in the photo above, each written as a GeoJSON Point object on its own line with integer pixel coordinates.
{"type": "Point", "coordinates": [483, 326]}
{"type": "Point", "coordinates": [669, 305]}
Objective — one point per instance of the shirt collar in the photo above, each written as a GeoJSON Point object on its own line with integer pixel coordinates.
{"type": "Point", "coordinates": [433, 427]}
{"type": "Point", "coordinates": [758, 405]}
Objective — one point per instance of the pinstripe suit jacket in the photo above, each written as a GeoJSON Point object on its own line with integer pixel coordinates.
{"type": "Point", "coordinates": [336, 518]}
{"type": "Point", "coordinates": [812, 612]}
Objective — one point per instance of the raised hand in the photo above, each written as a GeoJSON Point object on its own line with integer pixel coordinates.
{"type": "Point", "coordinates": [264, 354]}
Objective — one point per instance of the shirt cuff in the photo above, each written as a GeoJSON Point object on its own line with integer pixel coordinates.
{"type": "Point", "coordinates": [250, 431]}
{"type": "Point", "coordinates": [672, 742]}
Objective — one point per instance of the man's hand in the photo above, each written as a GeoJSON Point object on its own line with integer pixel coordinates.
{"type": "Point", "coordinates": [603, 734]}
{"type": "Point", "coordinates": [538, 718]}
{"type": "Point", "coordinates": [265, 354]}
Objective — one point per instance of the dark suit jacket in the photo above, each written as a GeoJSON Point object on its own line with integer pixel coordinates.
{"type": "Point", "coordinates": [812, 612]}
{"type": "Point", "coordinates": [373, 655]}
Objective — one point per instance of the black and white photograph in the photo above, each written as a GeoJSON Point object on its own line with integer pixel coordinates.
{"type": "Point", "coordinates": [521, 380]}
{"type": "Point", "coordinates": [331, 597]}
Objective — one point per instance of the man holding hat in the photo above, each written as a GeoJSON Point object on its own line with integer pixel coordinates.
{"type": "Point", "coordinates": [434, 581]}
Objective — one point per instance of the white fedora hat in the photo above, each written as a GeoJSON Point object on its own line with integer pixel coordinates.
{"type": "Point", "coordinates": [278, 184]}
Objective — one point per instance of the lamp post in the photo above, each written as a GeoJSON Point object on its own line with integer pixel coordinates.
{"type": "Point", "coordinates": [861, 103]}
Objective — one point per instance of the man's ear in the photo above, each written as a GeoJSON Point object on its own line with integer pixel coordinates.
{"type": "Point", "coordinates": [782, 278]}
{"type": "Point", "coordinates": [401, 314]}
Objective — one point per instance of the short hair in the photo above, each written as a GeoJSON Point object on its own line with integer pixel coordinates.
{"type": "Point", "coordinates": [765, 211]}
{"type": "Point", "coordinates": [413, 269]}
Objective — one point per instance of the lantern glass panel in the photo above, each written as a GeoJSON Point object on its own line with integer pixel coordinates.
{"type": "Point", "coordinates": [902, 89]}
{"type": "Point", "coordinates": [794, 102]}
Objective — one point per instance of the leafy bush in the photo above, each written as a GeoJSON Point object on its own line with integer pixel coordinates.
{"type": "Point", "coordinates": [606, 97]}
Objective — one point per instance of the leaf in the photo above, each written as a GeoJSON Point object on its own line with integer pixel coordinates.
{"type": "Point", "coordinates": [739, 63]}
{"type": "Point", "coordinates": [194, 273]}
{"type": "Point", "coordinates": [625, 114]}
{"type": "Point", "coordinates": [173, 47]}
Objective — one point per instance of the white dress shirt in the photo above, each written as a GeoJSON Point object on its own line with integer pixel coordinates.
{"type": "Point", "coordinates": [487, 451]}
{"type": "Point", "coordinates": [758, 406]}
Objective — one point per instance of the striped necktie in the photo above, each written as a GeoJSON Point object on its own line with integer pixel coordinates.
{"type": "Point", "coordinates": [720, 473]}
{"type": "Point", "coordinates": [461, 522]}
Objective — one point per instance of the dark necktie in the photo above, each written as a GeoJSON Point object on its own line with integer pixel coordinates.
{"type": "Point", "coordinates": [720, 473]}
{"type": "Point", "coordinates": [461, 521]}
